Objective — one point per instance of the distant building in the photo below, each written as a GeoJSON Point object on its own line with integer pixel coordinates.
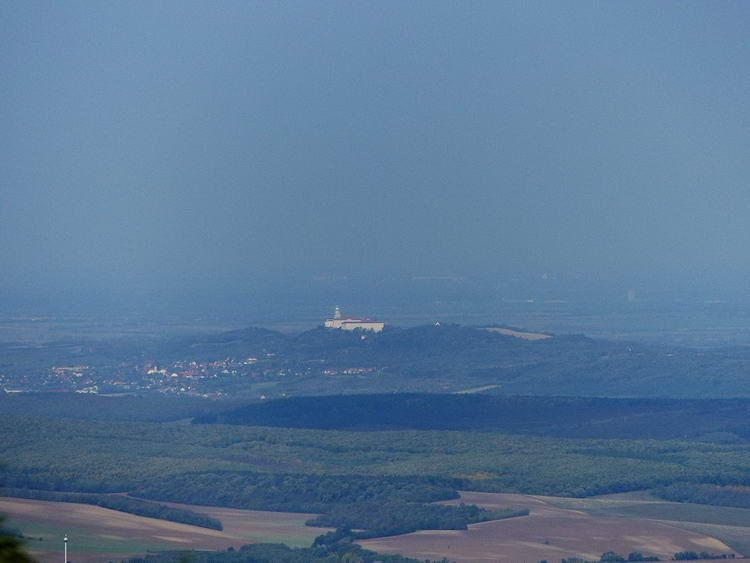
{"type": "Point", "coordinates": [351, 323]}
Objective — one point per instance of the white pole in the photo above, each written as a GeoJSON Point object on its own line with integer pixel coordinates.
{"type": "Point", "coordinates": [65, 542]}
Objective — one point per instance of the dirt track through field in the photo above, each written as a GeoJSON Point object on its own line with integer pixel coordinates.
{"type": "Point", "coordinates": [548, 532]}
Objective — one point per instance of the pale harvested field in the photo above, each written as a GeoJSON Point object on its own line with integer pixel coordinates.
{"type": "Point", "coordinates": [519, 334]}
{"type": "Point", "coordinates": [99, 534]}
{"type": "Point", "coordinates": [548, 532]}
{"type": "Point", "coordinates": [476, 390]}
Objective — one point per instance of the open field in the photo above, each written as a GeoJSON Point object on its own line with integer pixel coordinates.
{"type": "Point", "coordinates": [737, 537]}
{"type": "Point", "coordinates": [656, 510]}
{"type": "Point", "coordinates": [99, 534]}
{"type": "Point", "coordinates": [557, 527]}
{"type": "Point", "coordinates": [549, 532]}
{"type": "Point", "coordinates": [519, 334]}
{"type": "Point", "coordinates": [728, 524]}
{"type": "Point", "coordinates": [262, 526]}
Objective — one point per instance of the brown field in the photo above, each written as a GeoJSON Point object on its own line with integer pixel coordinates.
{"type": "Point", "coordinates": [99, 534]}
{"type": "Point", "coordinates": [549, 532]}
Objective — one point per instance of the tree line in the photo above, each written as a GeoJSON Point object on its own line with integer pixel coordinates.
{"type": "Point", "coordinates": [338, 552]}
{"type": "Point", "coordinates": [393, 518]}
{"type": "Point", "coordinates": [637, 556]}
{"type": "Point", "coordinates": [379, 505]}
{"type": "Point", "coordinates": [706, 493]}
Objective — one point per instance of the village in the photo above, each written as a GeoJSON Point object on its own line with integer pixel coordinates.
{"type": "Point", "coordinates": [216, 378]}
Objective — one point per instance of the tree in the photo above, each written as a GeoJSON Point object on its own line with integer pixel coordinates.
{"type": "Point", "coordinates": [11, 547]}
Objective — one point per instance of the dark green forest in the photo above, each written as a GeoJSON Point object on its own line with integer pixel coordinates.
{"type": "Point", "coordinates": [392, 518]}
{"type": "Point", "coordinates": [295, 492]}
{"type": "Point", "coordinates": [156, 458]}
{"type": "Point", "coordinates": [713, 420]}
{"type": "Point", "coordinates": [710, 419]}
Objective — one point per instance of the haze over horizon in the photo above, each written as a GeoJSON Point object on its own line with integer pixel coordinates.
{"type": "Point", "coordinates": [174, 146]}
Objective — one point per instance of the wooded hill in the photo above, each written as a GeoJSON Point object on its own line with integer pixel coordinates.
{"type": "Point", "coordinates": [454, 357]}
{"type": "Point", "coordinates": [445, 358]}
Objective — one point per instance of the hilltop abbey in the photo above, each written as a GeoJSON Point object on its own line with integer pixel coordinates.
{"type": "Point", "coordinates": [352, 323]}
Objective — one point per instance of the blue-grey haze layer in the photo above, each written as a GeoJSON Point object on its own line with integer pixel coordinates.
{"type": "Point", "coordinates": [170, 147]}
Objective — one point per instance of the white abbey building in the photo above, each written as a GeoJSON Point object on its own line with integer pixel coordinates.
{"type": "Point", "coordinates": [351, 323]}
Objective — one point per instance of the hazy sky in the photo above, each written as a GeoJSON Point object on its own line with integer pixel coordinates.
{"type": "Point", "coordinates": [159, 140]}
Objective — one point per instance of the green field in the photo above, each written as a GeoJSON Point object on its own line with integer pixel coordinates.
{"type": "Point", "coordinates": [723, 515]}
{"type": "Point", "coordinates": [686, 512]}
{"type": "Point", "coordinates": [95, 530]}
{"type": "Point", "coordinates": [82, 540]}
